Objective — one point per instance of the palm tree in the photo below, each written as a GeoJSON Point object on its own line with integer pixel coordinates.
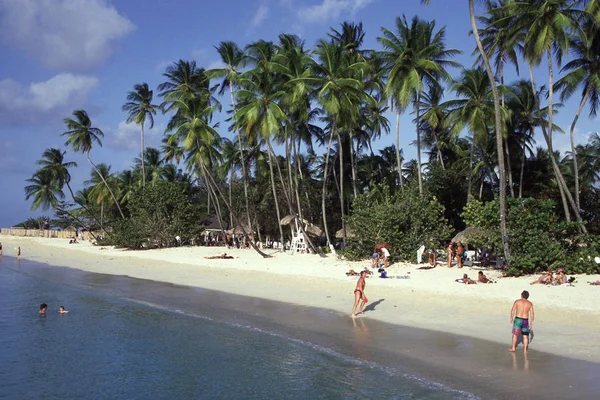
{"type": "Point", "coordinates": [81, 136]}
{"type": "Point", "coordinates": [502, 43]}
{"type": "Point", "coordinates": [233, 57]}
{"type": "Point", "coordinates": [414, 55]}
{"type": "Point", "coordinates": [140, 109]}
{"type": "Point", "coordinates": [473, 108]}
{"type": "Point", "coordinates": [548, 25]}
{"type": "Point", "coordinates": [185, 82]}
{"type": "Point", "coordinates": [260, 112]}
{"type": "Point", "coordinates": [582, 71]}
{"type": "Point", "coordinates": [99, 192]}
{"type": "Point", "coordinates": [53, 160]}
{"type": "Point", "coordinates": [153, 161]}
{"type": "Point", "coordinates": [44, 188]}
{"type": "Point", "coordinates": [340, 93]}
{"type": "Point", "coordinates": [498, 126]}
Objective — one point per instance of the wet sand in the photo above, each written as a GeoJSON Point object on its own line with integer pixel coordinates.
{"type": "Point", "coordinates": [481, 367]}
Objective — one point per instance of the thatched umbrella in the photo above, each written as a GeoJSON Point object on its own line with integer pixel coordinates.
{"type": "Point", "coordinates": [465, 235]}
{"type": "Point", "coordinates": [70, 229]}
{"type": "Point", "coordinates": [308, 226]}
{"type": "Point", "coordinates": [349, 234]}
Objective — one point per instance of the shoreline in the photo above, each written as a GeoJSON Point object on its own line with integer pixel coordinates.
{"type": "Point", "coordinates": [429, 300]}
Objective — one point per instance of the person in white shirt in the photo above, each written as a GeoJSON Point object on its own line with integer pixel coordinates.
{"type": "Point", "coordinates": [386, 255]}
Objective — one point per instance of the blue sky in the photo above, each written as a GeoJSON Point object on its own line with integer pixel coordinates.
{"type": "Point", "coordinates": [62, 55]}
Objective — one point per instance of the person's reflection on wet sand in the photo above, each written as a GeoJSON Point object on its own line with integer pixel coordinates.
{"type": "Point", "coordinates": [516, 363]}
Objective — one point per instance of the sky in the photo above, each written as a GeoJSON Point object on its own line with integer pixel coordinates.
{"type": "Point", "coordinates": [63, 55]}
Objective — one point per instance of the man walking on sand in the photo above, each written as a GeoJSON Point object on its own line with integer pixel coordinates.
{"type": "Point", "coordinates": [521, 316]}
{"type": "Point", "coordinates": [359, 294]}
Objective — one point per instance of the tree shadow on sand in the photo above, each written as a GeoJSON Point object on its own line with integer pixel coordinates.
{"type": "Point", "coordinates": [371, 307]}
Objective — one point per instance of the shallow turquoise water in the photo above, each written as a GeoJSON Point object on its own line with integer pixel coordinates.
{"type": "Point", "coordinates": [111, 348]}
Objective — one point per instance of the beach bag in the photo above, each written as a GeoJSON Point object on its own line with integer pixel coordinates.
{"type": "Point", "coordinates": [383, 274]}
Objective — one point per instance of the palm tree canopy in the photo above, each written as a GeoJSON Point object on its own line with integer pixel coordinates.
{"type": "Point", "coordinates": [139, 105]}
{"type": "Point", "coordinates": [81, 134]}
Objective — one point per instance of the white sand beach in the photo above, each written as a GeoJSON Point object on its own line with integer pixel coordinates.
{"type": "Point", "coordinates": [567, 319]}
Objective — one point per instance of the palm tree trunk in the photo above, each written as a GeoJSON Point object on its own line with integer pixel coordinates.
{"type": "Point", "coordinates": [522, 171]}
{"type": "Point", "coordinates": [342, 205]}
{"type": "Point", "coordinates": [244, 176]}
{"type": "Point", "coordinates": [437, 148]}
{"type": "Point", "coordinates": [499, 135]}
{"type": "Point", "coordinates": [236, 220]}
{"type": "Point", "coordinates": [87, 155]}
{"type": "Point", "coordinates": [506, 148]}
{"type": "Point", "coordinates": [272, 173]}
{"type": "Point", "coordinates": [470, 184]}
{"type": "Point", "coordinates": [481, 190]}
{"type": "Point", "coordinates": [102, 213]}
{"type": "Point", "coordinates": [398, 159]}
{"type": "Point", "coordinates": [419, 174]}
{"type": "Point", "coordinates": [283, 185]}
{"type": "Point", "coordinates": [324, 195]}
{"type": "Point", "coordinates": [288, 155]}
{"type": "Point", "coordinates": [230, 201]}
{"type": "Point", "coordinates": [85, 208]}
{"type": "Point", "coordinates": [142, 158]}
{"type": "Point", "coordinates": [353, 164]}
{"type": "Point", "coordinates": [573, 152]}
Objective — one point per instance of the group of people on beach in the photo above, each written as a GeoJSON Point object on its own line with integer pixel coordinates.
{"type": "Point", "coordinates": [481, 278]}
{"type": "Point", "coordinates": [44, 308]}
{"type": "Point", "coordinates": [380, 254]}
{"type": "Point", "coordinates": [456, 250]}
{"type": "Point", "coordinates": [521, 315]}
{"type": "Point", "coordinates": [549, 278]}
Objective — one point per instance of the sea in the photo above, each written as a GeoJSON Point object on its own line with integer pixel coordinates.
{"type": "Point", "coordinates": [127, 338]}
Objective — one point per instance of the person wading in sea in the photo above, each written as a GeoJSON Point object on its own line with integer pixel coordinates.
{"type": "Point", "coordinates": [521, 316]}
{"type": "Point", "coordinates": [359, 294]}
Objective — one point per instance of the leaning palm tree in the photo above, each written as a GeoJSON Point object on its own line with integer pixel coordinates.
{"type": "Point", "coordinates": [81, 136]}
{"type": "Point", "coordinates": [582, 71]}
{"type": "Point", "coordinates": [414, 55]}
{"type": "Point", "coordinates": [53, 160]}
{"type": "Point", "coordinates": [548, 25]}
{"type": "Point", "coordinates": [140, 109]}
{"type": "Point", "coordinates": [99, 192]}
{"type": "Point", "coordinates": [498, 125]}
{"type": "Point", "coordinates": [44, 189]}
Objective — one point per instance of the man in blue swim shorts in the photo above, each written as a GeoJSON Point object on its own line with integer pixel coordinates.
{"type": "Point", "coordinates": [521, 317]}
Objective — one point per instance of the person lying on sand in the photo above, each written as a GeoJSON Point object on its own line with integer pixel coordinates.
{"type": "Point", "coordinates": [222, 256]}
{"type": "Point", "coordinates": [481, 278]}
{"type": "Point", "coordinates": [466, 280]}
{"type": "Point", "coordinates": [545, 279]}
{"type": "Point", "coordinates": [597, 283]}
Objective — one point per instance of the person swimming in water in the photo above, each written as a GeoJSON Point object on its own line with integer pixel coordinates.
{"type": "Point", "coordinates": [61, 310]}
{"type": "Point", "coordinates": [43, 308]}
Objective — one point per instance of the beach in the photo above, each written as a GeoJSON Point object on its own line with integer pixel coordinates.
{"type": "Point", "coordinates": [567, 319]}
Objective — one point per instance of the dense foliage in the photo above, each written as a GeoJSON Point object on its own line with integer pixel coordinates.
{"type": "Point", "coordinates": [401, 218]}
{"type": "Point", "coordinates": [157, 215]}
{"type": "Point", "coordinates": [539, 239]}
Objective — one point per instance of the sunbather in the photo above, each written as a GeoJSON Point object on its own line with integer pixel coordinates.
{"type": "Point", "coordinates": [597, 283]}
{"type": "Point", "coordinates": [222, 256]}
{"type": "Point", "coordinates": [481, 278]}
{"type": "Point", "coordinates": [545, 279]}
{"type": "Point", "coordinates": [466, 280]}
{"type": "Point", "coordinates": [560, 278]}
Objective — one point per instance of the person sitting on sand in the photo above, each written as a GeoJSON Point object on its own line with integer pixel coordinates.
{"type": "Point", "coordinates": [560, 278]}
{"type": "Point", "coordinates": [432, 258]}
{"type": "Point", "coordinates": [61, 310]}
{"type": "Point", "coordinates": [545, 279]}
{"type": "Point", "coordinates": [481, 278]}
{"type": "Point", "coordinates": [43, 308]}
{"type": "Point", "coordinates": [466, 280]}
{"type": "Point", "coordinates": [222, 256]}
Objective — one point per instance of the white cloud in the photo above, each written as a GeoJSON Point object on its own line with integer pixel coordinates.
{"type": "Point", "coordinates": [127, 136]}
{"type": "Point", "coordinates": [63, 34]}
{"type": "Point", "coordinates": [58, 94]}
{"type": "Point", "coordinates": [260, 16]}
{"type": "Point", "coordinates": [331, 9]}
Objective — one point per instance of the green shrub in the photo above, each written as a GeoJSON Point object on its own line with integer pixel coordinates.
{"type": "Point", "coordinates": [403, 219]}
{"type": "Point", "coordinates": [159, 213]}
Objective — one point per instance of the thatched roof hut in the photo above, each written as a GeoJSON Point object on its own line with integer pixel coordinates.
{"type": "Point", "coordinates": [309, 227]}
{"type": "Point", "coordinates": [349, 234]}
{"type": "Point", "coordinates": [465, 235]}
